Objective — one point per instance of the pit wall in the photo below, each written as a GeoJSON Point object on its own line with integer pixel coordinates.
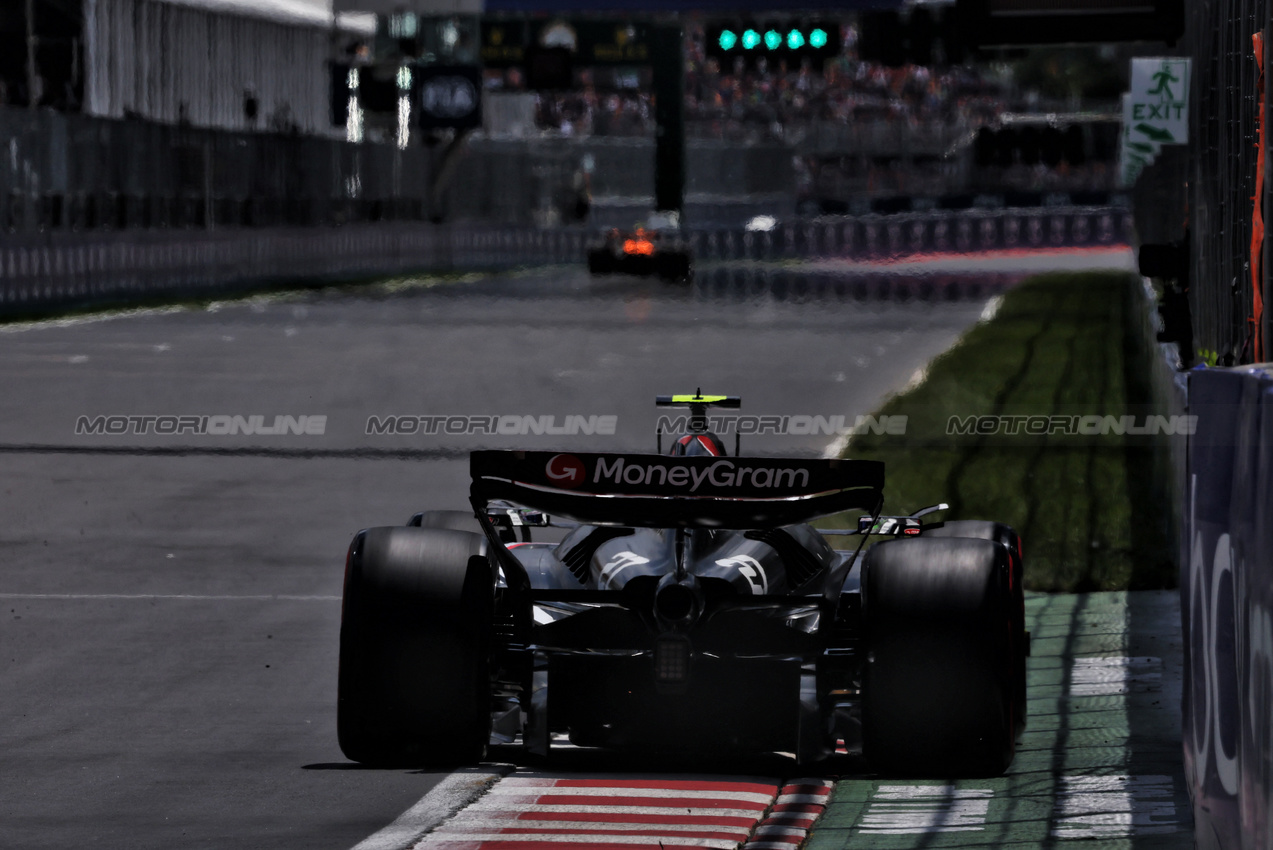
{"type": "Point", "coordinates": [60, 270]}
{"type": "Point", "coordinates": [1226, 589]}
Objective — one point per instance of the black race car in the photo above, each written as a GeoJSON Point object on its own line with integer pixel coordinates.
{"type": "Point", "coordinates": [642, 252]}
{"type": "Point", "coordinates": [689, 606]}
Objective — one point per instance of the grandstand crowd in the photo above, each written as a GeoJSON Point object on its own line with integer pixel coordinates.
{"type": "Point", "coordinates": [728, 102]}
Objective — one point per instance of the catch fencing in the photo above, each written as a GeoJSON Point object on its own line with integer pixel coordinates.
{"type": "Point", "coordinates": [76, 173]}
{"type": "Point", "coordinates": [1203, 195]}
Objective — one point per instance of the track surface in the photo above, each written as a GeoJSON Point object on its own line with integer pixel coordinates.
{"type": "Point", "coordinates": [169, 630]}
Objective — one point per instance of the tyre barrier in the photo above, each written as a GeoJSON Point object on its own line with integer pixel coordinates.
{"type": "Point", "coordinates": [1226, 589]}
{"type": "Point", "coordinates": [59, 269]}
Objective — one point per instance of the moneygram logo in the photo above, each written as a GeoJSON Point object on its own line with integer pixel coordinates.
{"type": "Point", "coordinates": [721, 474]}
{"type": "Point", "coordinates": [565, 471]}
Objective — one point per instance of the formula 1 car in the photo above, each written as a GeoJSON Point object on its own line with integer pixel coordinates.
{"type": "Point", "coordinates": [689, 606]}
{"type": "Point", "coordinates": [642, 252]}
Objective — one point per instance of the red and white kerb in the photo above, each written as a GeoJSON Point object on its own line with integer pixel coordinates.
{"type": "Point", "coordinates": [526, 811]}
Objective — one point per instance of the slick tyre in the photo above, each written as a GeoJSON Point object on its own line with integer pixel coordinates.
{"type": "Point", "coordinates": [1000, 533]}
{"type": "Point", "coordinates": [937, 688]}
{"type": "Point", "coordinates": [414, 684]}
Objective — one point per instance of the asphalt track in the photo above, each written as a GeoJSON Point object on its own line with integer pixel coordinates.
{"type": "Point", "coordinates": [169, 642]}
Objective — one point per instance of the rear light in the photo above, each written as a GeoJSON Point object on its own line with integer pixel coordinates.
{"type": "Point", "coordinates": [671, 660]}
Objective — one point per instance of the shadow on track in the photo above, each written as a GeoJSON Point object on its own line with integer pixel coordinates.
{"type": "Point", "coordinates": [589, 762]}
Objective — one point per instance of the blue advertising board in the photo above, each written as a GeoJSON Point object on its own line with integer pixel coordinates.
{"type": "Point", "coordinates": [1227, 608]}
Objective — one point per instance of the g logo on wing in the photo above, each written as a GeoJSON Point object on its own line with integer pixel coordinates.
{"type": "Point", "coordinates": [565, 471]}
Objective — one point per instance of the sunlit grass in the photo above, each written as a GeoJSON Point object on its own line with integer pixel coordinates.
{"type": "Point", "coordinates": [1091, 510]}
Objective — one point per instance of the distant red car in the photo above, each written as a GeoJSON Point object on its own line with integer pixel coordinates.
{"type": "Point", "coordinates": [642, 252]}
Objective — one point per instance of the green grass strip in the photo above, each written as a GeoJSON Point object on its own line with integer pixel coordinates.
{"type": "Point", "coordinates": [1091, 510]}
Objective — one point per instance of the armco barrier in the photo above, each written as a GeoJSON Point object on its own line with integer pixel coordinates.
{"type": "Point", "coordinates": [60, 269]}
{"type": "Point", "coordinates": [1227, 607]}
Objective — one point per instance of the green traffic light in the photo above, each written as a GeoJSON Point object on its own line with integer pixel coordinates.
{"type": "Point", "coordinates": [751, 39]}
{"type": "Point", "coordinates": [727, 40]}
{"type": "Point", "coordinates": [773, 39]}
{"type": "Point", "coordinates": [795, 40]}
{"type": "Point", "coordinates": [818, 38]}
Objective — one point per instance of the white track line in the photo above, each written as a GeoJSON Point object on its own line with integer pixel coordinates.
{"type": "Point", "coordinates": [632, 811]}
{"type": "Point", "coordinates": [629, 811]}
{"type": "Point", "coordinates": [1106, 676]}
{"type": "Point", "coordinates": [1114, 807]}
{"type": "Point", "coordinates": [447, 797]}
{"type": "Point", "coordinates": [917, 809]}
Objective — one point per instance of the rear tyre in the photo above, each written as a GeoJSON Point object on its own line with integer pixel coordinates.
{"type": "Point", "coordinates": [1000, 533]}
{"type": "Point", "coordinates": [938, 684]}
{"type": "Point", "coordinates": [414, 681]}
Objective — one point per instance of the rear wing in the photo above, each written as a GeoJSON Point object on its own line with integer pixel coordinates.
{"type": "Point", "coordinates": [658, 491]}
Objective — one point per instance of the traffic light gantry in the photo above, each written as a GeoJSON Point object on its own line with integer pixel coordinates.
{"type": "Point", "coordinates": [792, 42]}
